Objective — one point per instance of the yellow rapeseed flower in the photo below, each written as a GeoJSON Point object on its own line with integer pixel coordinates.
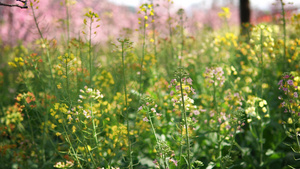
{"type": "Point", "coordinates": [12, 64]}
{"type": "Point", "coordinates": [59, 86]}
{"type": "Point", "coordinates": [290, 121]}
{"type": "Point", "coordinates": [53, 126]}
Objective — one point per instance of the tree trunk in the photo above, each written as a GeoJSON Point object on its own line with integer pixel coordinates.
{"type": "Point", "coordinates": [245, 17]}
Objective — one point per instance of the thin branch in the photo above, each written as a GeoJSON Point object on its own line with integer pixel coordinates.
{"type": "Point", "coordinates": [23, 1]}
{"type": "Point", "coordinates": [16, 5]}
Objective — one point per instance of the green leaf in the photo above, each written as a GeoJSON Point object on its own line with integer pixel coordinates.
{"type": "Point", "coordinates": [277, 156]}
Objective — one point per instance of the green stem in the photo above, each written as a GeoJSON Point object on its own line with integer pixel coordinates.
{"type": "Point", "coordinates": [227, 25]}
{"type": "Point", "coordinates": [67, 76]}
{"type": "Point", "coordinates": [71, 145]}
{"type": "Point", "coordinates": [81, 73]}
{"type": "Point", "coordinates": [219, 149]}
{"type": "Point", "coordinates": [90, 154]}
{"type": "Point", "coordinates": [154, 38]}
{"type": "Point", "coordinates": [46, 46]}
{"type": "Point", "coordinates": [284, 29]}
{"type": "Point", "coordinates": [181, 147]}
{"type": "Point", "coordinates": [45, 135]}
{"type": "Point", "coordinates": [219, 129]}
{"type": "Point", "coordinates": [170, 32]}
{"type": "Point", "coordinates": [50, 69]}
{"type": "Point", "coordinates": [296, 134]}
{"type": "Point", "coordinates": [157, 141]}
{"type": "Point", "coordinates": [68, 23]}
{"type": "Point", "coordinates": [94, 125]}
{"type": "Point", "coordinates": [153, 130]}
{"type": "Point", "coordinates": [261, 143]}
{"type": "Point", "coordinates": [261, 64]}
{"type": "Point", "coordinates": [68, 49]}
{"type": "Point", "coordinates": [182, 40]}
{"type": "Point", "coordinates": [293, 121]}
{"type": "Point", "coordinates": [126, 105]}
{"type": "Point", "coordinates": [214, 94]}
{"type": "Point", "coordinates": [90, 51]}
{"type": "Point", "coordinates": [180, 65]}
{"type": "Point", "coordinates": [219, 146]}
{"type": "Point", "coordinates": [142, 59]}
{"type": "Point", "coordinates": [261, 95]}
{"type": "Point", "coordinates": [232, 140]}
{"type": "Point", "coordinates": [30, 126]}
{"type": "Point", "coordinates": [77, 67]}
{"type": "Point", "coordinates": [186, 124]}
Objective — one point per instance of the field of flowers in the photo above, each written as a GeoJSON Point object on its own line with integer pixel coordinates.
{"type": "Point", "coordinates": [162, 94]}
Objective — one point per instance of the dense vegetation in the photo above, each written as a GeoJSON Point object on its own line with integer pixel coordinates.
{"type": "Point", "coordinates": [207, 99]}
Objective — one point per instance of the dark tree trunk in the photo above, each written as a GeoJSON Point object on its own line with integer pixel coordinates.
{"type": "Point", "coordinates": [245, 17]}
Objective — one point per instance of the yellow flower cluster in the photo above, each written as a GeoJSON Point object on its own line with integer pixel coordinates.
{"type": "Point", "coordinates": [149, 60]}
{"type": "Point", "coordinates": [256, 107]}
{"type": "Point", "coordinates": [18, 61]}
{"type": "Point", "coordinates": [225, 13]}
{"type": "Point", "coordinates": [91, 16]}
{"type": "Point", "coordinates": [296, 80]}
{"type": "Point", "coordinates": [59, 108]}
{"type": "Point", "coordinates": [13, 116]}
{"type": "Point", "coordinates": [68, 62]}
{"type": "Point", "coordinates": [229, 39]}
{"type": "Point", "coordinates": [118, 102]}
{"type": "Point", "coordinates": [49, 126]}
{"type": "Point", "coordinates": [262, 42]}
{"type": "Point", "coordinates": [118, 135]}
{"type": "Point", "coordinates": [148, 10]}
{"type": "Point", "coordinates": [296, 22]}
{"type": "Point", "coordinates": [104, 80]}
{"type": "Point", "coordinates": [66, 58]}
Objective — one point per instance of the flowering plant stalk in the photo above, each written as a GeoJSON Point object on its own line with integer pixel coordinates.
{"type": "Point", "coordinates": [50, 82]}
{"type": "Point", "coordinates": [183, 89]}
{"type": "Point", "coordinates": [164, 152]}
{"type": "Point", "coordinates": [146, 9]}
{"type": "Point", "coordinates": [93, 18]}
{"type": "Point", "coordinates": [125, 45]}
{"type": "Point", "coordinates": [290, 104]}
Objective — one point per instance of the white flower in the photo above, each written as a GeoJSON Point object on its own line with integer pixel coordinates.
{"type": "Point", "coordinates": [145, 119]}
{"type": "Point", "coordinates": [89, 90]}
